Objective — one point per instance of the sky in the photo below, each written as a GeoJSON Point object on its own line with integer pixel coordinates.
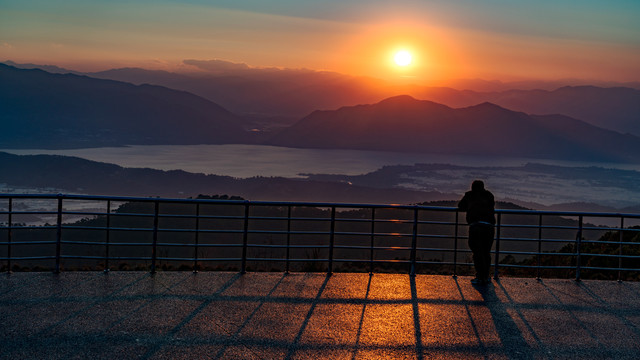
{"type": "Point", "coordinates": [447, 39]}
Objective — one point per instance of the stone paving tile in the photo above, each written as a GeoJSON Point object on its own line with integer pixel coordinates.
{"type": "Point", "coordinates": [458, 330]}
{"type": "Point", "coordinates": [388, 325]}
{"type": "Point", "coordinates": [254, 285]}
{"type": "Point", "coordinates": [44, 284]}
{"type": "Point", "coordinates": [181, 352]}
{"type": "Point", "coordinates": [383, 353]}
{"type": "Point", "coordinates": [39, 319]}
{"type": "Point", "coordinates": [605, 330]}
{"type": "Point", "coordinates": [156, 317]}
{"type": "Point", "coordinates": [277, 322]}
{"type": "Point", "coordinates": [528, 337]}
{"type": "Point", "coordinates": [97, 317]}
{"type": "Point", "coordinates": [301, 285]}
{"type": "Point", "coordinates": [437, 287]}
{"type": "Point", "coordinates": [252, 352]}
{"type": "Point", "coordinates": [347, 287]}
{"type": "Point", "coordinates": [70, 349]}
{"type": "Point", "coordinates": [557, 327]}
{"type": "Point", "coordinates": [333, 324]}
{"type": "Point", "coordinates": [220, 318]}
{"type": "Point", "coordinates": [623, 295]}
{"type": "Point", "coordinates": [522, 291]}
{"type": "Point", "coordinates": [390, 287]}
{"type": "Point", "coordinates": [467, 355]}
{"type": "Point", "coordinates": [21, 281]}
{"type": "Point", "coordinates": [12, 313]}
{"type": "Point", "coordinates": [633, 322]}
{"type": "Point", "coordinates": [99, 284]}
{"type": "Point", "coordinates": [199, 284]}
{"type": "Point", "coordinates": [329, 354]}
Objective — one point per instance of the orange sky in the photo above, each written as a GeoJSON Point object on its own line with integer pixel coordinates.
{"type": "Point", "coordinates": [498, 39]}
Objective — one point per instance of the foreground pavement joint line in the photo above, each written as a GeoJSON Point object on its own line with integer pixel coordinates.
{"type": "Point", "coordinates": [174, 315]}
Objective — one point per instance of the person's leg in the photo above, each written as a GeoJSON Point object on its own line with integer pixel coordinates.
{"type": "Point", "coordinates": [480, 243]}
{"type": "Point", "coordinates": [475, 244]}
{"type": "Point", "coordinates": [487, 244]}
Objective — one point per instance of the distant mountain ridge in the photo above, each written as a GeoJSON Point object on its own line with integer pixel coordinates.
{"type": "Point", "coordinates": [616, 108]}
{"type": "Point", "coordinates": [403, 123]}
{"type": "Point", "coordinates": [44, 109]}
{"type": "Point", "coordinates": [296, 93]}
{"type": "Point", "coordinates": [265, 92]}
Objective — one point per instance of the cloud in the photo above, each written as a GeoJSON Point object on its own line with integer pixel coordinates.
{"type": "Point", "coordinates": [217, 66]}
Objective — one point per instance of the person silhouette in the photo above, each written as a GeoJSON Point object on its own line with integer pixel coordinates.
{"type": "Point", "coordinates": [479, 205]}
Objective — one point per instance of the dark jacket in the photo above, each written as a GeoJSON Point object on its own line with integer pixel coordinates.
{"type": "Point", "coordinates": [479, 205]}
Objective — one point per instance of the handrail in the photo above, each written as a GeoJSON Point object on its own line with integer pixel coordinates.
{"type": "Point", "coordinates": [335, 233]}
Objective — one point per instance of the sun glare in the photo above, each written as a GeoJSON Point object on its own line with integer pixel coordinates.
{"type": "Point", "coordinates": [402, 58]}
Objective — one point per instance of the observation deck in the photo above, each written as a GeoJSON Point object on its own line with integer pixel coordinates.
{"type": "Point", "coordinates": [309, 280]}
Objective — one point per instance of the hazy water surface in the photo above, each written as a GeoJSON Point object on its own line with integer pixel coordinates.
{"type": "Point", "coordinates": [259, 160]}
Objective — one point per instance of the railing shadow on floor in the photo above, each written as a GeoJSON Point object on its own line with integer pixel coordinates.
{"type": "Point", "coordinates": [288, 316]}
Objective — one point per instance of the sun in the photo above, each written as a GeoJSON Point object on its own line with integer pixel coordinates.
{"type": "Point", "coordinates": [402, 58]}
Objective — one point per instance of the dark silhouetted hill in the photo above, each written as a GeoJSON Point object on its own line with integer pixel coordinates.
{"type": "Point", "coordinates": [403, 123]}
{"type": "Point", "coordinates": [77, 175]}
{"type": "Point", "coordinates": [615, 108]}
{"type": "Point", "coordinates": [40, 109]}
{"type": "Point", "coordinates": [48, 68]}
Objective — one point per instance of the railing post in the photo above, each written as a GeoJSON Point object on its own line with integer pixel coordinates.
{"type": "Point", "coordinates": [197, 239]}
{"type": "Point", "coordinates": [539, 245]}
{"type": "Point", "coordinates": [155, 236]}
{"type": "Point", "coordinates": [578, 248]}
{"type": "Point", "coordinates": [414, 241]}
{"type": "Point", "coordinates": [106, 255]}
{"type": "Point", "coordinates": [621, 238]}
{"type": "Point", "coordinates": [455, 245]}
{"type": "Point", "coordinates": [497, 261]}
{"type": "Point", "coordinates": [332, 240]}
{"type": "Point", "coordinates": [245, 238]}
{"type": "Point", "coordinates": [286, 266]}
{"type": "Point", "coordinates": [58, 234]}
{"type": "Point", "coordinates": [9, 224]}
{"type": "Point", "coordinates": [373, 235]}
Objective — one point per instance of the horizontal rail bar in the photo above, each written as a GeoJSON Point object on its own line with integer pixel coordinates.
{"type": "Point", "coordinates": [304, 204]}
{"type": "Point", "coordinates": [431, 230]}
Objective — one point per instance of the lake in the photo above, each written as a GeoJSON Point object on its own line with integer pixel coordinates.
{"type": "Point", "coordinates": [259, 160]}
{"type": "Point", "coordinates": [517, 183]}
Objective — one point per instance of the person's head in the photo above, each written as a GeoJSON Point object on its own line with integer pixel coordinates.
{"type": "Point", "coordinates": [477, 185]}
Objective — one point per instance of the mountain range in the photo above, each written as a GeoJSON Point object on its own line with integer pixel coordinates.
{"type": "Point", "coordinates": [41, 109]}
{"type": "Point", "coordinates": [294, 93]}
{"type": "Point", "coordinates": [403, 123]}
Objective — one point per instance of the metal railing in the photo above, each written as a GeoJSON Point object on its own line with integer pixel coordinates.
{"type": "Point", "coordinates": [303, 236]}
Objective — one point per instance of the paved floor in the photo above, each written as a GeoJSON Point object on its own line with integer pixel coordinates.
{"type": "Point", "coordinates": [180, 315]}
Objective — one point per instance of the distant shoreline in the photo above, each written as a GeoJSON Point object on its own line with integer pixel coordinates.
{"type": "Point", "coordinates": [244, 161]}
